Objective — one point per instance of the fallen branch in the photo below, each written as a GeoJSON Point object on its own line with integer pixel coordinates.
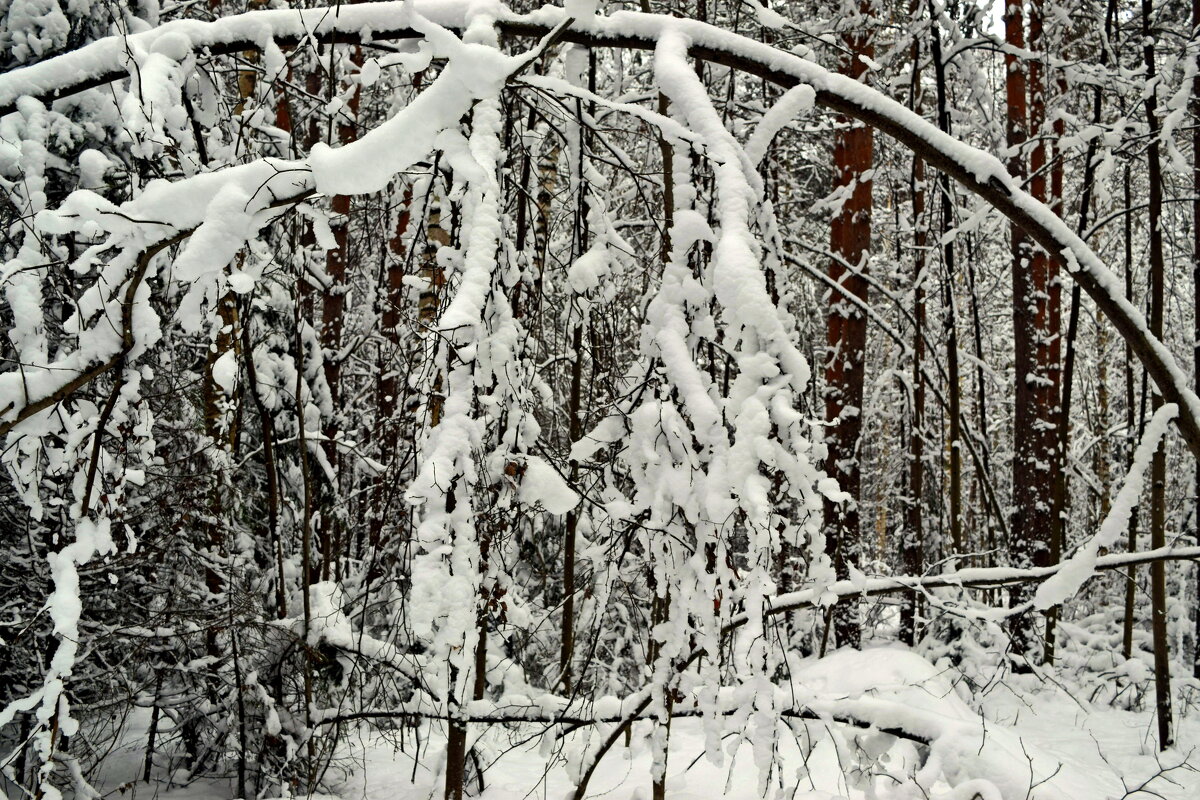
{"type": "Point", "coordinates": [537, 716]}
{"type": "Point", "coordinates": [970, 578]}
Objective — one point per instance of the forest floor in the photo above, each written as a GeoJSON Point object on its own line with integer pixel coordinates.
{"type": "Point", "coordinates": [1106, 752]}
{"type": "Point", "coordinates": [1039, 740]}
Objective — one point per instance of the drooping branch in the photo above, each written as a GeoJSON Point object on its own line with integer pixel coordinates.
{"type": "Point", "coordinates": [973, 578]}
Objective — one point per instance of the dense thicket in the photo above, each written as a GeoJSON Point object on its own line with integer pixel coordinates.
{"type": "Point", "coordinates": [438, 366]}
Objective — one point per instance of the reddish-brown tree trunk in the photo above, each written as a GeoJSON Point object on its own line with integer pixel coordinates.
{"type": "Point", "coordinates": [1046, 296]}
{"type": "Point", "coordinates": [846, 336]}
{"type": "Point", "coordinates": [1033, 439]}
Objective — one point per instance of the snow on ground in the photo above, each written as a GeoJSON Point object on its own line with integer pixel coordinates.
{"type": "Point", "coordinates": [1102, 739]}
{"type": "Point", "coordinates": [1026, 735]}
{"type": "Point", "coordinates": [1093, 751]}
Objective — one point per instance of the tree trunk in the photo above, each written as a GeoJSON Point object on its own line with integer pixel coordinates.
{"type": "Point", "coordinates": [456, 744]}
{"type": "Point", "coordinates": [1062, 485]}
{"type": "Point", "coordinates": [331, 523]}
{"type": "Point", "coordinates": [846, 336]}
{"type": "Point", "coordinates": [307, 568]}
{"type": "Point", "coordinates": [983, 473]}
{"type": "Point", "coordinates": [912, 544]}
{"type": "Point", "coordinates": [574, 400]}
{"type": "Point", "coordinates": [1130, 432]}
{"type": "Point", "coordinates": [1033, 432]}
{"type": "Point", "coordinates": [913, 537]}
{"type": "Point", "coordinates": [1046, 297]}
{"type": "Point", "coordinates": [953, 389]}
{"type": "Point", "coordinates": [1158, 466]}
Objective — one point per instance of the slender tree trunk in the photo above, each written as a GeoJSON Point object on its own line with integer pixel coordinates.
{"type": "Point", "coordinates": [846, 336]}
{"type": "Point", "coordinates": [575, 432]}
{"type": "Point", "coordinates": [1158, 466]}
{"type": "Point", "coordinates": [912, 542]}
{"type": "Point", "coordinates": [307, 567]}
{"type": "Point", "coordinates": [953, 389]}
{"type": "Point", "coordinates": [456, 733]}
{"type": "Point", "coordinates": [1062, 484]}
{"type": "Point", "coordinates": [331, 522]}
{"type": "Point", "coordinates": [1130, 432]}
{"type": "Point", "coordinates": [659, 608]}
{"type": "Point", "coordinates": [574, 401]}
{"type": "Point", "coordinates": [151, 735]}
{"type": "Point", "coordinates": [488, 602]}
{"type": "Point", "coordinates": [1103, 457]}
{"type": "Point", "coordinates": [987, 537]}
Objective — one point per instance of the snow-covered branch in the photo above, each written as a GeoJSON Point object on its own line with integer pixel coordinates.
{"type": "Point", "coordinates": [980, 172]}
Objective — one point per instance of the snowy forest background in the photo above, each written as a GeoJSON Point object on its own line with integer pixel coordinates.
{"type": "Point", "coordinates": [662, 398]}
